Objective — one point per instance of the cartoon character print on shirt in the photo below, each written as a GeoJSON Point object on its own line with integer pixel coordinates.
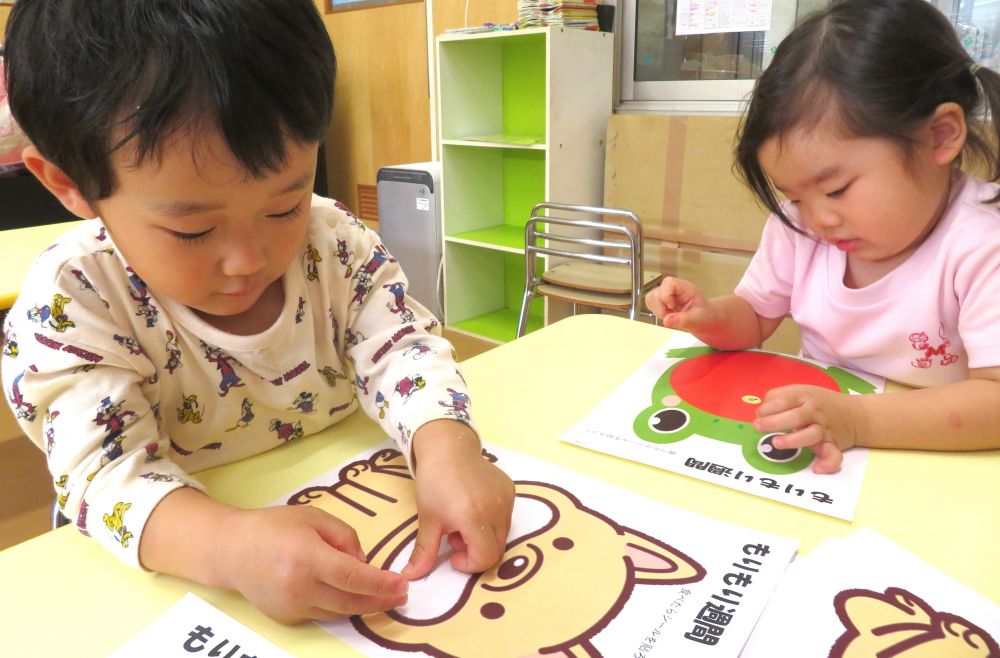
{"type": "Point", "coordinates": [173, 353]}
{"type": "Point", "coordinates": [364, 278]}
{"type": "Point", "coordinates": [246, 416]}
{"type": "Point", "coordinates": [224, 363]}
{"type": "Point", "coordinates": [398, 304]}
{"type": "Point", "coordinates": [312, 259]}
{"type": "Point", "coordinates": [361, 384]}
{"type": "Point", "coordinates": [62, 492]}
{"type": "Point", "coordinates": [286, 431]}
{"type": "Point", "coordinates": [10, 347]}
{"type": "Point", "coordinates": [305, 402]}
{"type": "Point", "coordinates": [115, 522]}
{"type": "Point", "coordinates": [407, 386]}
{"type": "Point", "coordinates": [130, 343]}
{"type": "Point", "coordinates": [300, 310]}
{"type": "Point", "coordinates": [190, 410]}
{"type": "Point", "coordinates": [113, 418]}
{"type": "Point", "coordinates": [921, 342]}
{"type": "Point", "coordinates": [404, 435]}
{"type": "Point", "coordinates": [49, 431]}
{"type": "Point", "coordinates": [22, 408]}
{"type": "Point", "coordinates": [458, 407]}
{"type": "Point", "coordinates": [331, 375]}
{"type": "Point", "coordinates": [900, 624]}
{"type": "Point", "coordinates": [345, 256]}
{"type": "Point", "coordinates": [55, 315]}
{"type": "Point", "coordinates": [381, 404]}
{"type": "Point", "coordinates": [418, 351]}
{"type": "Point", "coordinates": [140, 293]}
{"type": "Point", "coordinates": [184, 452]}
{"type": "Point", "coordinates": [86, 285]}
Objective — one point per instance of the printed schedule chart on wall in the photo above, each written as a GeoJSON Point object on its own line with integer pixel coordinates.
{"type": "Point", "coordinates": [705, 16]}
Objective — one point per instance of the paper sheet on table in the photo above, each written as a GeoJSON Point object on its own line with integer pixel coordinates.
{"type": "Point", "coordinates": [589, 567]}
{"type": "Point", "coordinates": [689, 409]}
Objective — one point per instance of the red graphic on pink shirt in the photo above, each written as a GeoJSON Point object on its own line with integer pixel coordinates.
{"type": "Point", "coordinates": [920, 342]}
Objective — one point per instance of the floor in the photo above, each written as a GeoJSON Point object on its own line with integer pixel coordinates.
{"type": "Point", "coordinates": [25, 486]}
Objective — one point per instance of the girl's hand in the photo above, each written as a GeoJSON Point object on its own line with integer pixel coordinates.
{"type": "Point", "coordinates": [680, 305]}
{"type": "Point", "coordinates": [461, 495]}
{"type": "Point", "coordinates": [301, 563]}
{"type": "Point", "coordinates": [823, 420]}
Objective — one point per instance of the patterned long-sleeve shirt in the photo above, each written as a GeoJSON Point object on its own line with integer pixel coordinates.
{"type": "Point", "coordinates": [128, 393]}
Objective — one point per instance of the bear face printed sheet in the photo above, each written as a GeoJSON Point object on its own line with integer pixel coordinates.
{"type": "Point", "coordinates": [864, 596]}
{"type": "Point", "coordinates": [589, 570]}
{"type": "Point", "coordinates": [689, 409]}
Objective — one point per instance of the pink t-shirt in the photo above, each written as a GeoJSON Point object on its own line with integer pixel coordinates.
{"type": "Point", "coordinates": [924, 324]}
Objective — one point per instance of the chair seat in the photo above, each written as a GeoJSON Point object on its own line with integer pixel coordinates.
{"type": "Point", "coordinates": [585, 297]}
{"type": "Point", "coordinates": [597, 277]}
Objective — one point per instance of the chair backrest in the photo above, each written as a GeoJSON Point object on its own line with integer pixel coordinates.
{"type": "Point", "coordinates": [584, 239]}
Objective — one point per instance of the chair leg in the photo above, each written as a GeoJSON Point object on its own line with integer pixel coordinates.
{"type": "Point", "coordinates": [522, 322]}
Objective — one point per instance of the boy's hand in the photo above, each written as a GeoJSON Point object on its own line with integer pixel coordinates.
{"type": "Point", "coordinates": [300, 563]}
{"type": "Point", "coordinates": [461, 495]}
{"type": "Point", "coordinates": [823, 420]}
{"type": "Point", "coordinates": [680, 305]}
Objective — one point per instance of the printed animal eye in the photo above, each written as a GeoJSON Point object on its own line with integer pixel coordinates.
{"type": "Point", "coordinates": [768, 451]}
{"type": "Point", "coordinates": [667, 421]}
{"type": "Point", "coordinates": [516, 570]}
{"type": "Point", "coordinates": [513, 567]}
{"type": "Point", "coordinates": [492, 611]}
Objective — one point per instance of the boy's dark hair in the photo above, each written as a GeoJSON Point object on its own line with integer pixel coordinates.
{"type": "Point", "coordinates": [87, 77]}
{"type": "Point", "coordinates": [881, 67]}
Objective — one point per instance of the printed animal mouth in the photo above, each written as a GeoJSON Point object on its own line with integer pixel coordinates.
{"type": "Point", "coordinates": [443, 592]}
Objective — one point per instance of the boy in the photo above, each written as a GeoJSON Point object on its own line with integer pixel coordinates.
{"type": "Point", "coordinates": [213, 309]}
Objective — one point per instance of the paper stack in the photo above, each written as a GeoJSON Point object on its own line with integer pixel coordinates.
{"type": "Point", "coordinates": [539, 13]}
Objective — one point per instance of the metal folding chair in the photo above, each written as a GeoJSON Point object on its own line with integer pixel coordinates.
{"type": "Point", "coordinates": [600, 259]}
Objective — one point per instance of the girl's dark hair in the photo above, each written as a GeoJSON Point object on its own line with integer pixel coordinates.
{"type": "Point", "coordinates": [87, 77]}
{"type": "Point", "coordinates": [881, 67]}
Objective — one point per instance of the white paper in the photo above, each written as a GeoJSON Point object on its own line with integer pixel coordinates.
{"type": "Point", "coordinates": [192, 627]}
{"type": "Point", "coordinates": [575, 572]}
{"type": "Point", "coordinates": [715, 445]}
{"type": "Point", "coordinates": [916, 605]}
{"type": "Point", "coordinates": [706, 16]}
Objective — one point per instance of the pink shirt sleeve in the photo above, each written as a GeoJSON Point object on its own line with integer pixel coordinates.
{"type": "Point", "coordinates": [767, 283]}
{"type": "Point", "coordinates": [977, 285]}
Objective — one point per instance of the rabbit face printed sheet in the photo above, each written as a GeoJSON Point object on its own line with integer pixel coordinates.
{"type": "Point", "coordinates": [589, 570]}
{"type": "Point", "coordinates": [690, 409]}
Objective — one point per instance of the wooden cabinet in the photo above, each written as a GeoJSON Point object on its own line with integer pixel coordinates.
{"type": "Point", "coordinates": [522, 119]}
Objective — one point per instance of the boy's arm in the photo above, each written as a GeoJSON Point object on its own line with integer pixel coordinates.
{"type": "Point", "coordinates": [293, 562]}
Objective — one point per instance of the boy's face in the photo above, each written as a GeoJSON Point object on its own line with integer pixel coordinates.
{"type": "Point", "coordinates": [198, 231]}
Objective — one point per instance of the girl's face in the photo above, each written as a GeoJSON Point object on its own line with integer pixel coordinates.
{"type": "Point", "coordinates": [859, 194]}
{"type": "Point", "coordinates": [198, 231]}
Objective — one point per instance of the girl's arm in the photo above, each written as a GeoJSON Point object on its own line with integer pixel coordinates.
{"type": "Point", "coordinates": [959, 416]}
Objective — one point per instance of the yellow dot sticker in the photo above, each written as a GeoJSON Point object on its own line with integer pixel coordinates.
{"type": "Point", "coordinates": [751, 399]}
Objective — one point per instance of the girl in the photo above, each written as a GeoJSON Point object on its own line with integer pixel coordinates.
{"type": "Point", "coordinates": [885, 253]}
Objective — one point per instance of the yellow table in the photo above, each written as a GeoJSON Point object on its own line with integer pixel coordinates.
{"type": "Point", "coordinates": [18, 249]}
{"type": "Point", "coordinates": [63, 595]}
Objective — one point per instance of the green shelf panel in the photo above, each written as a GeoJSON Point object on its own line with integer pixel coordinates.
{"type": "Point", "coordinates": [524, 86]}
{"type": "Point", "coordinates": [500, 325]}
{"type": "Point", "coordinates": [508, 139]}
{"type": "Point", "coordinates": [503, 235]}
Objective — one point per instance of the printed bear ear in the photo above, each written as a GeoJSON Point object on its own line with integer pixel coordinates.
{"type": "Point", "coordinates": [865, 610]}
{"type": "Point", "coordinates": [655, 562]}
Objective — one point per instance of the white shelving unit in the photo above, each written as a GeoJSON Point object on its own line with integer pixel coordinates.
{"type": "Point", "coordinates": [522, 119]}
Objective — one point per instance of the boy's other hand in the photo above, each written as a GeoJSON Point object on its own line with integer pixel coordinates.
{"type": "Point", "coordinates": [461, 495]}
{"type": "Point", "coordinates": [825, 421]}
{"type": "Point", "coordinates": [301, 563]}
{"type": "Point", "coordinates": [680, 305]}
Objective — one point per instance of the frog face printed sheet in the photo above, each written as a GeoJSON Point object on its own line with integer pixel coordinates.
{"type": "Point", "coordinates": [865, 596]}
{"type": "Point", "coordinates": [689, 409]}
{"type": "Point", "coordinates": [589, 570]}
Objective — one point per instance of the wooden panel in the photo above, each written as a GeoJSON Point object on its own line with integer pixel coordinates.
{"type": "Point", "coordinates": [675, 172]}
{"type": "Point", "coordinates": [382, 108]}
{"type": "Point", "coordinates": [450, 14]}
{"type": "Point", "coordinates": [368, 202]}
